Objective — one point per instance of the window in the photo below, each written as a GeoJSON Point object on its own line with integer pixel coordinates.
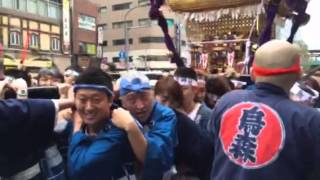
{"type": "Point", "coordinates": [39, 7]}
{"type": "Point", "coordinates": [55, 44]}
{"type": "Point", "coordinates": [151, 40]}
{"type": "Point", "coordinates": [22, 5]}
{"type": "Point", "coordinates": [143, 2]}
{"type": "Point", "coordinates": [118, 42]}
{"type": "Point", "coordinates": [87, 48]}
{"type": "Point", "coordinates": [7, 4]}
{"type": "Point", "coordinates": [147, 22]}
{"type": "Point", "coordinates": [105, 43]}
{"type": "Point", "coordinates": [102, 9]}
{"type": "Point", "coordinates": [144, 22]}
{"type": "Point", "coordinates": [34, 40]}
{"type": "Point", "coordinates": [104, 26]}
{"type": "Point", "coordinates": [117, 25]}
{"type": "Point", "coordinates": [14, 4]}
{"type": "Point", "coordinates": [15, 38]}
{"type": "Point", "coordinates": [123, 6]}
{"type": "Point", "coordinates": [54, 11]}
{"type": "Point", "coordinates": [43, 8]}
{"type": "Point", "coordinates": [32, 6]}
{"type": "Point", "coordinates": [82, 48]}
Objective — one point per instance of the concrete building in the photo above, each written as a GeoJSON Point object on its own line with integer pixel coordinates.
{"type": "Point", "coordinates": [146, 43]}
{"type": "Point", "coordinates": [34, 26]}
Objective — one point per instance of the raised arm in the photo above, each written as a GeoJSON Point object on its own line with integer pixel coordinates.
{"type": "Point", "coordinates": [124, 120]}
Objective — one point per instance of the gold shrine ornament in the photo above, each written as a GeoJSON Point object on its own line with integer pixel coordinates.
{"type": "Point", "coordinates": [204, 5]}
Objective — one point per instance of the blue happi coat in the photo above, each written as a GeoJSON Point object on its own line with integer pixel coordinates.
{"type": "Point", "coordinates": [160, 133]}
{"type": "Point", "coordinates": [261, 134]}
{"type": "Point", "coordinates": [107, 156]}
{"type": "Point", "coordinates": [26, 128]}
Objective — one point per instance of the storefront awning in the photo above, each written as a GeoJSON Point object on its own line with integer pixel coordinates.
{"type": "Point", "coordinates": [34, 62]}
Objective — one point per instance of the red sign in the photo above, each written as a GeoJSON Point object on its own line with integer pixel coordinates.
{"type": "Point", "coordinates": [25, 49]}
{"type": "Point", "coordinates": [1, 49]}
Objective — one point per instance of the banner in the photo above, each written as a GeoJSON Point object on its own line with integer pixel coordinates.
{"type": "Point", "coordinates": [100, 35]}
{"type": "Point", "coordinates": [25, 49]}
{"type": "Point", "coordinates": [66, 25]}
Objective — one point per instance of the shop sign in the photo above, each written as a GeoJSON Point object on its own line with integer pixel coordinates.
{"type": "Point", "coordinates": [91, 49]}
{"type": "Point", "coordinates": [87, 22]}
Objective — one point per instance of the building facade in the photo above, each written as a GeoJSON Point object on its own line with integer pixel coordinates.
{"type": "Point", "coordinates": [32, 26]}
{"type": "Point", "coordinates": [51, 32]}
{"type": "Point", "coordinates": [146, 41]}
{"type": "Point", "coordinates": [84, 32]}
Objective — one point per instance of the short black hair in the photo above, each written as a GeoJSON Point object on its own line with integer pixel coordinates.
{"type": "Point", "coordinates": [95, 76]}
{"type": "Point", "coordinates": [218, 85]}
{"type": "Point", "coordinates": [50, 72]}
{"type": "Point", "coordinates": [186, 73]}
{"type": "Point", "coordinates": [17, 73]}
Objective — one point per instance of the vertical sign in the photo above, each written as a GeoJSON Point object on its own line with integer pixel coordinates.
{"type": "Point", "coordinates": [100, 35]}
{"type": "Point", "coordinates": [66, 25]}
{"type": "Point", "coordinates": [100, 42]}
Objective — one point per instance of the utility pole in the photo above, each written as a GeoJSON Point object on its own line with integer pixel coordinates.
{"type": "Point", "coordinates": [178, 36]}
{"type": "Point", "coordinates": [126, 33]}
{"type": "Point", "coordinates": [74, 58]}
{"type": "Point", "coordinates": [126, 47]}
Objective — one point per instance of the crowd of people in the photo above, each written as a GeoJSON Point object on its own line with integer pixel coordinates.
{"type": "Point", "coordinates": [188, 126]}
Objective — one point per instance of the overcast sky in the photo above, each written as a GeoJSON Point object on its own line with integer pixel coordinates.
{"type": "Point", "coordinates": [309, 33]}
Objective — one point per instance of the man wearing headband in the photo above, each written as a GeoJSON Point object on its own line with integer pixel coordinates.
{"type": "Point", "coordinates": [157, 122]}
{"type": "Point", "coordinates": [71, 73]}
{"type": "Point", "coordinates": [262, 134]}
{"type": "Point", "coordinates": [198, 112]}
{"type": "Point", "coordinates": [98, 149]}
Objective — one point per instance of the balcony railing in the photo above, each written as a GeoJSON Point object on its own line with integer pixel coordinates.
{"type": "Point", "coordinates": [42, 8]}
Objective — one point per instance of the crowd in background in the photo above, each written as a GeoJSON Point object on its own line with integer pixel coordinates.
{"type": "Point", "coordinates": [127, 128]}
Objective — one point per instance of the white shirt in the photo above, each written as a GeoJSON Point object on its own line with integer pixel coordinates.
{"type": "Point", "coordinates": [192, 115]}
{"type": "Point", "coordinates": [59, 126]}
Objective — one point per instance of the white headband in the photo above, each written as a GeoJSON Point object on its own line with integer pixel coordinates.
{"type": "Point", "coordinates": [302, 95]}
{"type": "Point", "coordinates": [183, 81]}
{"type": "Point", "coordinates": [71, 72]}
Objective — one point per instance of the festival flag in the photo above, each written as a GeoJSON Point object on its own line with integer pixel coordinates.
{"type": "Point", "coordinates": [25, 49]}
{"type": "Point", "coordinates": [1, 49]}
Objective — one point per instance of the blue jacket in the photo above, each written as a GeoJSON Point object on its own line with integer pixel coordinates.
{"type": "Point", "coordinates": [203, 116]}
{"type": "Point", "coordinates": [260, 135]}
{"type": "Point", "coordinates": [161, 136]}
{"type": "Point", "coordinates": [194, 152]}
{"type": "Point", "coordinates": [26, 127]}
{"type": "Point", "coordinates": [101, 157]}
